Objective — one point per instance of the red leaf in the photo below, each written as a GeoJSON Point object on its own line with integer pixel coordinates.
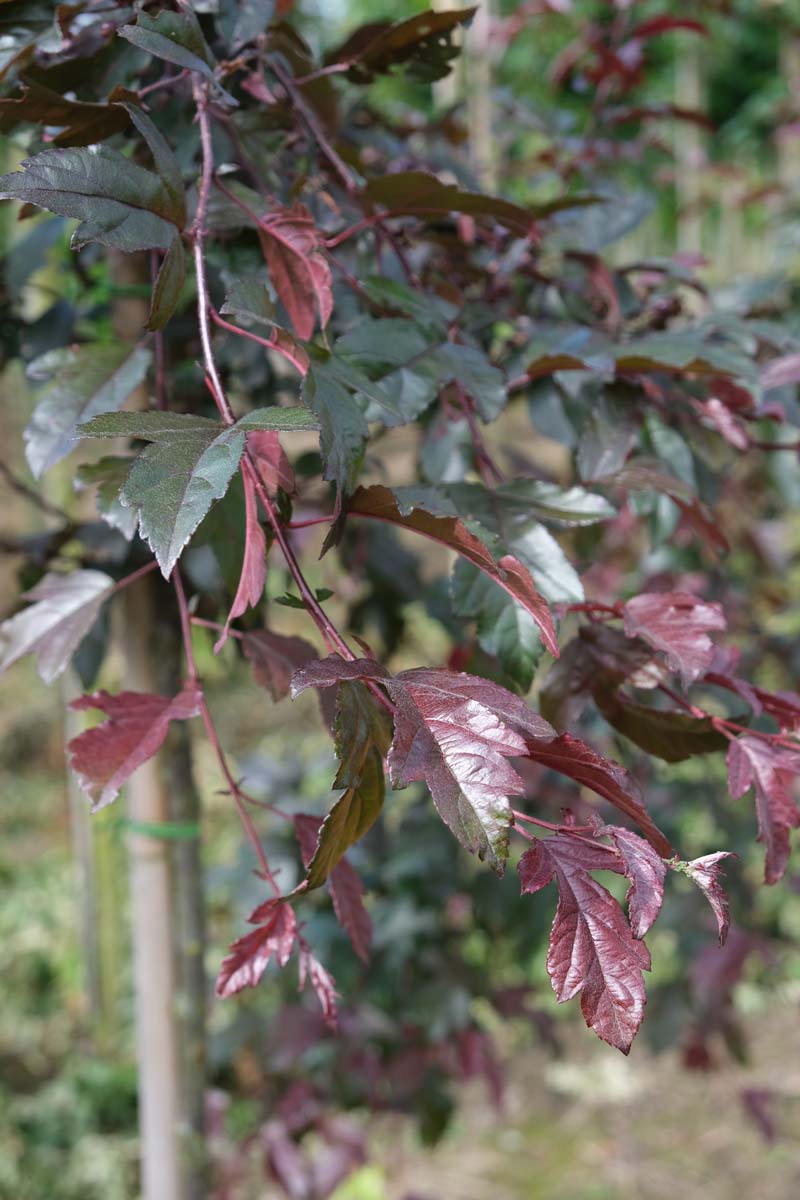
{"type": "Point", "coordinates": [275, 658]}
{"type": "Point", "coordinates": [322, 982]}
{"type": "Point", "coordinates": [347, 893]}
{"type": "Point", "coordinates": [770, 769]}
{"type": "Point", "coordinates": [254, 563]}
{"type": "Point", "coordinates": [273, 465]}
{"type": "Point", "coordinates": [104, 757]}
{"type": "Point", "coordinates": [453, 732]}
{"type": "Point", "coordinates": [570, 756]}
{"type": "Point", "coordinates": [249, 955]}
{"type": "Point", "coordinates": [676, 623]}
{"type": "Point", "coordinates": [592, 950]}
{"type": "Point", "coordinates": [346, 888]}
{"type": "Point", "coordinates": [381, 504]}
{"type": "Point", "coordinates": [646, 871]}
{"type": "Point", "coordinates": [705, 872]}
{"type": "Point", "coordinates": [297, 267]}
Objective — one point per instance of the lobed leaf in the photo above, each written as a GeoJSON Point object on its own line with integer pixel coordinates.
{"type": "Point", "coordinates": [770, 770]}
{"type": "Point", "coordinates": [80, 383]}
{"type": "Point", "coordinates": [249, 955]}
{"type": "Point", "coordinates": [453, 732]}
{"type": "Point", "coordinates": [592, 952]}
{"type": "Point", "coordinates": [705, 872]}
{"type": "Point", "coordinates": [677, 624]}
{"type": "Point", "coordinates": [275, 658]}
{"type": "Point", "coordinates": [189, 465]}
{"type": "Point", "coordinates": [64, 609]}
{"type": "Point", "coordinates": [104, 757]}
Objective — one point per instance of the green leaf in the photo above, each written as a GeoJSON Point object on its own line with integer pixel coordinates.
{"type": "Point", "coordinates": [249, 298]}
{"type": "Point", "coordinates": [411, 368]}
{"type": "Point", "coordinates": [471, 368]}
{"type": "Point", "coordinates": [151, 426]}
{"type": "Point", "coordinates": [82, 382]}
{"type": "Point", "coordinates": [363, 734]}
{"type": "Point", "coordinates": [553, 573]}
{"type": "Point", "coordinates": [64, 609]}
{"type": "Point", "coordinates": [174, 482]}
{"type": "Point", "coordinates": [505, 629]}
{"type": "Point", "coordinates": [116, 201]}
{"type": "Point", "coordinates": [343, 427]}
{"type": "Point", "coordinates": [165, 162]}
{"type": "Point", "coordinates": [174, 37]}
{"type": "Point", "coordinates": [109, 474]}
{"type": "Point", "coordinates": [169, 284]}
{"type": "Point", "coordinates": [503, 523]}
{"type": "Point", "coordinates": [562, 507]}
{"type": "Point", "coordinates": [355, 812]}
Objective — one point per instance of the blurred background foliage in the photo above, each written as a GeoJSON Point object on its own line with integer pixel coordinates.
{"type": "Point", "coordinates": [475, 1082]}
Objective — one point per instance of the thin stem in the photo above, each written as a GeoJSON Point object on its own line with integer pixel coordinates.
{"type": "Point", "coordinates": [724, 726]}
{"type": "Point", "coordinates": [22, 489]}
{"type": "Point", "coordinates": [213, 737]}
{"type": "Point", "coordinates": [202, 623]}
{"type": "Point", "coordinates": [614, 610]}
{"type": "Point", "coordinates": [165, 82]}
{"type": "Point", "coordinates": [134, 575]}
{"type": "Point", "coordinates": [159, 345]}
{"type": "Point", "coordinates": [300, 364]}
{"type": "Point", "coordinates": [332, 69]}
{"type": "Point", "coordinates": [489, 471]}
{"type": "Point", "coordinates": [562, 828]}
{"type": "Point", "coordinates": [315, 128]}
{"type": "Point", "coordinates": [684, 704]}
{"type": "Point", "coordinates": [304, 524]}
{"type": "Point", "coordinates": [198, 230]}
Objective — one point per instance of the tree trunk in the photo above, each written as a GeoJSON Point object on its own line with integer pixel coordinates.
{"type": "Point", "coordinates": [166, 877]}
{"type": "Point", "coordinates": [689, 146]}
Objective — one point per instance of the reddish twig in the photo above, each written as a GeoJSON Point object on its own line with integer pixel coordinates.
{"type": "Point", "coordinates": [213, 737]}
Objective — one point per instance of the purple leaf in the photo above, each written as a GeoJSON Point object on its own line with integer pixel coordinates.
{"type": "Point", "coordinates": [273, 466]}
{"type": "Point", "coordinates": [249, 955]}
{"type": "Point", "coordinates": [275, 658]}
{"type": "Point", "coordinates": [705, 872]}
{"type": "Point", "coordinates": [254, 563]}
{"type": "Point", "coordinates": [770, 769]}
{"type": "Point", "coordinates": [346, 888]}
{"type": "Point", "coordinates": [676, 623]}
{"type": "Point", "coordinates": [347, 893]}
{"type": "Point", "coordinates": [323, 983]}
{"type": "Point", "coordinates": [592, 951]}
{"type": "Point", "coordinates": [104, 757]}
{"type": "Point", "coordinates": [646, 871]}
